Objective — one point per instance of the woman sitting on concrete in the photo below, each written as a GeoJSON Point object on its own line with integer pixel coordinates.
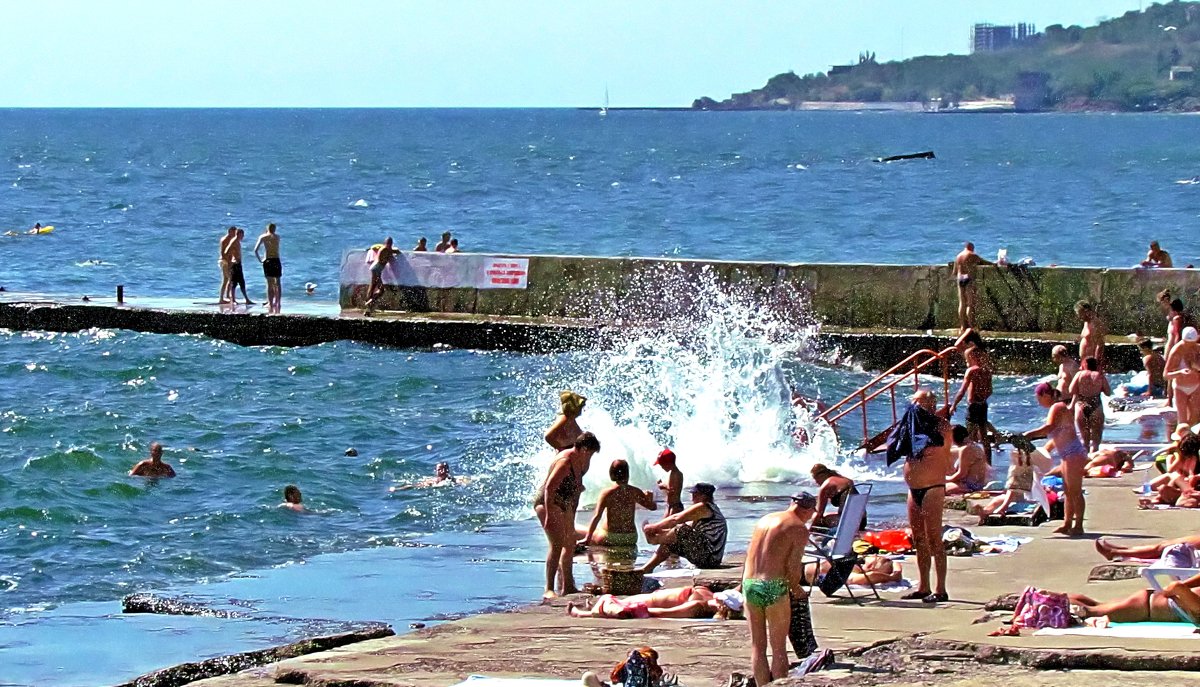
{"type": "Point", "coordinates": [613, 523]}
{"type": "Point", "coordinates": [681, 602]}
{"type": "Point", "coordinates": [697, 534]}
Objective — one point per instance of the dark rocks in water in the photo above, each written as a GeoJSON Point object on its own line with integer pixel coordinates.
{"type": "Point", "coordinates": [224, 665]}
{"type": "Point", "coordinates": [166, 605]}
{"type": "Point", "coordinates": [417, 626]}
{"type": "Point", "coordinates": [351, 451]}
{"type": "Point", "coordinates": [923, 155]}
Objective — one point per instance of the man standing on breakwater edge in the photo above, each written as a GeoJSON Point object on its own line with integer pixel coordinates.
{"type": "Point", "coordinates": [237, 277]}
{"type": "Point", "coordinates": [272, 267]}
{"type": "Point", "coordinates": [965, 267]}
{"type": "Point", "coordinates": [223, 262]}
{"type": "Point", "coordinates": [772, 577]}
{"type": "Point", "coordinates": [154, 465]}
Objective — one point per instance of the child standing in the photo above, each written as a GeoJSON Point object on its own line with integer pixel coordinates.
{"type": "Point", "coordinates": [673, 488]}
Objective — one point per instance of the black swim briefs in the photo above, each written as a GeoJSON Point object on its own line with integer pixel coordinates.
{"type": "Point", "coordinates": [236, 276]}
{"type": "Point", "coordinates": [977, 414]}
{"type": "Point", "coordinates": [272, 268]}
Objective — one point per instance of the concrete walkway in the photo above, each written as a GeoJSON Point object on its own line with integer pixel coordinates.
{"type": "Point", "coordinates": [543, 641]}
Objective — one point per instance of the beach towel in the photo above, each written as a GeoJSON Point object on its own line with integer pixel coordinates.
{"type": "Point", "coordinates": [1127, 630]}
{"type": "Point", "coordinates": [916, 430]}
{"type": "Point", "coordinates": [673, 573]}
{"type": "Point", "coordinates": [897, 586]}
{"type": "Point", "coordinates": [488, 681]}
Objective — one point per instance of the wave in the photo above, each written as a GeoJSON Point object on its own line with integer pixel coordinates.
{"type": "Point", "coordinates": [713, 382]}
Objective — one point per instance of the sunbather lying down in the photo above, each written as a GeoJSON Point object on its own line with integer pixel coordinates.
{"type": "Point", "coordinates": [1176, 603]}
{"type": "Point", "coordinates": [681, 602]}
{"type": "Point", "coordinates": [1145, 551]}
{"type": "Point", "coordinates": [873, 570]}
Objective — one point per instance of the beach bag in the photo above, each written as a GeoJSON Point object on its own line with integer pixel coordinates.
{"type": "Point", "coordinates": [800, 631]}
{"type": "Point", "coordinates": [639, 669]}
{"type": "Point", "coordinates": [1038, 608]}
{"type": "Point", "coordinates": [1020, 473]}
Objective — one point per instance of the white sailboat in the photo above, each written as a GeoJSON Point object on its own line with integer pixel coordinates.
{"type": "Point", "coordinates": [604, 110]}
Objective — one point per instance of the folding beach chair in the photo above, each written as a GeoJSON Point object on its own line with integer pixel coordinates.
{"type": "Point", "coordinates": [1152, 574]}
{"type": "Point", "coordinates": [837, 547]}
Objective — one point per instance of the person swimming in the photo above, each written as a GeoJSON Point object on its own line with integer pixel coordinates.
{"type": "Point", "coordinates": [292, 499]}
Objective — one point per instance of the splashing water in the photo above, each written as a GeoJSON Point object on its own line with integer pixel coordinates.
{"type": "Point", "coordinates": [711, 382]}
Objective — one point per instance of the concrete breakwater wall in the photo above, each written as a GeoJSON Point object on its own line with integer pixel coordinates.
{"type": "Point", "coordinates": [913, 297]}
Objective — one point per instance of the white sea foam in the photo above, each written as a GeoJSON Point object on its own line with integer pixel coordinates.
{"type": "Point", "coordinates": [709, 382]}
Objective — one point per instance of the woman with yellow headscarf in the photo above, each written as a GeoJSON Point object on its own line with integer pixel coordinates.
{"type": "Point", "coordinates": [565, 430]}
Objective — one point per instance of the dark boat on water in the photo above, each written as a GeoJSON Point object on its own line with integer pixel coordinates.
{"type": "Point", "coordinates": [925, 155]}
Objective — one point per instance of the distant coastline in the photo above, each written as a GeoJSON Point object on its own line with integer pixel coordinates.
{"type": "Point", "coordinates": [1143, 61]}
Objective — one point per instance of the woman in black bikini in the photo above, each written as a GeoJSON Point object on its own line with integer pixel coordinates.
{"type": "Point", "coordinates": [833, 491]}
{"type": "Point", "coordinates": [556, 504]}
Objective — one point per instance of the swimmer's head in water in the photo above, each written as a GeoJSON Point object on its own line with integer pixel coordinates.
{"type": "Point", "coordinates": [572, 403]}
{"type": "Point", "coordinates": [618, 471]}
{"type": "Point", "coordinates": [291, 494]}
{"type": "Point", "coordinates": [442, 470]}
{"type": "Point", "coordinates": [156, 451]}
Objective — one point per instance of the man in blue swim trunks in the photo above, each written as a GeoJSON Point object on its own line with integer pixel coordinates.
{"type": "Point", "coordinates": [774, 567]}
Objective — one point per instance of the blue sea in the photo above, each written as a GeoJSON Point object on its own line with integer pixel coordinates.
{"type": "Point", "coordinates": [142, 197]}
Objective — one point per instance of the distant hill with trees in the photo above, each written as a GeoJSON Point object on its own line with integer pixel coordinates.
{"type": "Point", "coordinates": [1123, 64]}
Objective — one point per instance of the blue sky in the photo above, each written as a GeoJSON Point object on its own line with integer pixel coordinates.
{"type": "Point", "coordinates": [463, 53]}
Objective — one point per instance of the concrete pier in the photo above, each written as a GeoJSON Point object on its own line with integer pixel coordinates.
{"type": "Point", "coordinates": [312, 323]}
{"type": "Point", "coordinates": [911, 297]}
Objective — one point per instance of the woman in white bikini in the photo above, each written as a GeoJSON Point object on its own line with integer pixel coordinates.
{"type": "Point", "coordinates": [1183, 370]}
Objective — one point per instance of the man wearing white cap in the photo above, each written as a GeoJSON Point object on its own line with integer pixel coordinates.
{"type": "Point", "coordinates": [1183, 370]}
{"type": "Point", "coordinates": [773, 571]}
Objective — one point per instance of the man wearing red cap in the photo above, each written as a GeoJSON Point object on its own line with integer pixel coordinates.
{"type": "Point", "coordinates": [673, 489]}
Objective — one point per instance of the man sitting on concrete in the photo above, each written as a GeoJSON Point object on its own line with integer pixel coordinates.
{"type": "Point", "coordinates": [697, 534]}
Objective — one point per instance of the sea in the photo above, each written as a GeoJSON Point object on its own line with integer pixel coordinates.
{"type": "Point", "coordinates": [141, 198]}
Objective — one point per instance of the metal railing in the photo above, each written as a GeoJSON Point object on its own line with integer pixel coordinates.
{"type": "Point", "coordinates": [910, 368]}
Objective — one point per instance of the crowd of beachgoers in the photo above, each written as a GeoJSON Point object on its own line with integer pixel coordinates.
{"type": "Point", "coordinates": [939, 458]}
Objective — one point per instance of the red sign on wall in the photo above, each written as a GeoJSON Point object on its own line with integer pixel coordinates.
{"type": "Point", "coordinates": [505, 273]}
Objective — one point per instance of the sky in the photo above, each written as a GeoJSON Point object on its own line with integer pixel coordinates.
{"type": "Point", "coordinates": [466, 53]}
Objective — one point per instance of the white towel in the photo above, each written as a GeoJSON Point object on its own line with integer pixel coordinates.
{"type": "Point", "coordinates": [1127, 630]}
